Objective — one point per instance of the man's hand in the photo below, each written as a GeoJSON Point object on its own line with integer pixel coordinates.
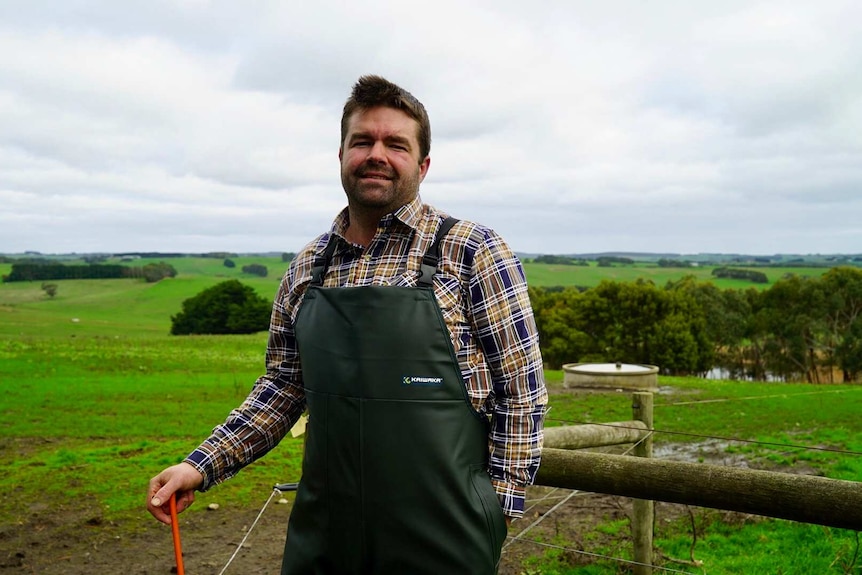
{"type": "Point", "coordinates": [181, 479]}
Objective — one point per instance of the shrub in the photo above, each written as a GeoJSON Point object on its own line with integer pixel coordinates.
{"type": "Point", "coordinates": [227, 307]}
{"type": "Point", "coordinates": [157, 272]}
{"type": "Point", "coordinates": [741, 274]}
{"type": "Point", "coordinates": [256, 269]}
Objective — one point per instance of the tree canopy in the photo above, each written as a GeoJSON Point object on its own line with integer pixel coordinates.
{"type": "Point", "coordinates": [800, 327]}
{"type": "Point", "coordinates": [227, 307]}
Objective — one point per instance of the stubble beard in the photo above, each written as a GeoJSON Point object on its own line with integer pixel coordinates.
{"type": "Point", "coordinates": [380, 196]}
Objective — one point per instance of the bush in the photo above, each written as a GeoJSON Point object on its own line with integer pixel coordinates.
{"type": "Point", "coordinates": [229, 263]}
{"type": "Point", "coordinates": [741, 274]}
{"type": "Point", "coordinates": [256, 269]}
{"type": "Point", "coordinates": [228, 307]}
{"type": "Point", "coordinates": [671, 263]}
{"type": "Point", "coordinates": [157, 272]}
{"type": "Point", "coordinates": [608, 261]}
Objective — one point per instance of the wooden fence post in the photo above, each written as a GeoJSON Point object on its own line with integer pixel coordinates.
{"type": "Point", "coordinates": [643, 510]}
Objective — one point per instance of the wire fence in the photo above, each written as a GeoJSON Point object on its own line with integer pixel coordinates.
{"type": "Point", "coordinates": [565, 497]}
{"type": "Point", "coordinates": [562, 497]}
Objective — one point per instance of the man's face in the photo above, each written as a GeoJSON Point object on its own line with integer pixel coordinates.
{"type": "Point", "coordinates": [380, 167]}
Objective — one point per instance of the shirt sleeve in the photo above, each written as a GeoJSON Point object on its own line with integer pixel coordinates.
{"type": "Point", "coordinates": [272, 407]}
{"type": "Point", "coordinates": [506, 330]}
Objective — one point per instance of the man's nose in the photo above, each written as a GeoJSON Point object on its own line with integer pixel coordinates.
{"type": "Point", "coordinates": [377, 152]}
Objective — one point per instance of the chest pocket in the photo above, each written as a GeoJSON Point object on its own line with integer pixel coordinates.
{"type": "Point", "coordinates": [450, 298]}
{"type": "Point", "coordinates": [447, 291]}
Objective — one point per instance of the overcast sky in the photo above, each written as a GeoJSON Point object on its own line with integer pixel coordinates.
{"type": "Point", "coordinates": [568, 126]}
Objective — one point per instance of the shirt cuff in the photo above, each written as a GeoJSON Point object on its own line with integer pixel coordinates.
{"type": "Point", "coordinates": [199, 459]}
{"type": "Point", "coordinates": [511, 497]}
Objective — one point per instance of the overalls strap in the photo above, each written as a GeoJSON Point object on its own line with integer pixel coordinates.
{"type": "Point", "coordinates": [321, 262]}
{"type": "Point", "coordinates": [426, 271]}
{"type": "Point", "coordinates": [432, 256]}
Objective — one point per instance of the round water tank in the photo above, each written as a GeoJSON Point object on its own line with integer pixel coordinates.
{"type": "Point", "coordinates": [611, 375]}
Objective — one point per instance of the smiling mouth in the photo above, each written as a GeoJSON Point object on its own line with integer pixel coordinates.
{"type": "Point", "coordinates": [374, 173]}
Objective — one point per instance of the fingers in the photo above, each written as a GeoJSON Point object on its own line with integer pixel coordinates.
{"type": "Point", "coordinates": [181, 480]}
{"type": "Point", "coordinates": [158, 497]}
{"type": "Point", "coordinates": [185, 500]}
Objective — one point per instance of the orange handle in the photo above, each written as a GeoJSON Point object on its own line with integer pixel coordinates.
{"type": "Point", "coordinates": [175, 530]}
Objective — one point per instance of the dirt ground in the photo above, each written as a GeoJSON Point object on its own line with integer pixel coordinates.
{"type": "Point", "coordinates": [69, 542]}
{"type": "Point", "coordinates": [75, 540]}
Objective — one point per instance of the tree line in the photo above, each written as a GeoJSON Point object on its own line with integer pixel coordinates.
{"type": "Point", "coordinates": [42, 271]}
{"type": "Point", "coordinates": [741, 274]}
{"type": "Point", "coordinates": [805, 328]}
{"type": "Point", "coordinates": [799, 328]}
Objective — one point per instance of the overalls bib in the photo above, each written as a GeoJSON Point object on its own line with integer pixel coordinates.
{"type": "Point", "coordinates": [394, 479]}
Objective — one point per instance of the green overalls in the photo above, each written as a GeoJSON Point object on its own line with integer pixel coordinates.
{"type": "Point", "coordinates": [394, 479]}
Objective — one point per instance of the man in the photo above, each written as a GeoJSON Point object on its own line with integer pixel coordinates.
{"type": "Point", "coordinates": [409, 338]}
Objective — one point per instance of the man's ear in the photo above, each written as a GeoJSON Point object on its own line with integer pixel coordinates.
{"type": "Point", "coordinates": [423, 168]}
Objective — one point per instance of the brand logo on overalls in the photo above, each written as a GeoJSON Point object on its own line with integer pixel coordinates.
{"type": "Point", "coordinates": [421, 381]}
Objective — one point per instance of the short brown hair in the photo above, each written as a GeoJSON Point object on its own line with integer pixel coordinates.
{"type": "Point", "coordinates": [373, 91]}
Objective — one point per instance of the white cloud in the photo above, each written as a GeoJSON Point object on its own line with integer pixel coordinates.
{"type": "Point", "coordinates": [569, 126]}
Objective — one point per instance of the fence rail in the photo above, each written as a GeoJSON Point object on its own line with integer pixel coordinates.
{"type": "Point", "coordinates": [595, 434]}
{"type": "Point", "coordinates": [805, 498]}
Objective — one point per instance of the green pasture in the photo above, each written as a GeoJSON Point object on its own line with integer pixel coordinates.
{"type": "Point", "coordinates": [86, 420]}
{"type": "Point", "coordinates": [589, 276]}
{"type": "Point", "coordinates": [214, 267]}
{"type": "Point", "coordinates": [91, 409]}
{"type": "Point", "coordinates": [110, 307]}
{"type": "Point", "coordinates": [125, 306]}
{"type": "Point", "coordinates": [91, 418]}
{"type": "Point", "coordinates": [537, 274]}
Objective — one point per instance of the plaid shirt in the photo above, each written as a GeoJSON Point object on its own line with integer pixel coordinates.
{"type": "Point", "coordinates": [482, 292]}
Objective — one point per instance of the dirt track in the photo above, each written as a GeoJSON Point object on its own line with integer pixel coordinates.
{"type": "Point", "coordinates": [69, 542]}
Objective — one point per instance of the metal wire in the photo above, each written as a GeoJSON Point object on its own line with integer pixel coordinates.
{"type": "Point", "coordinates": [565, 499]}
{"type": "Point", "coordinates": [540, 519]}
{"type": "Point", "coordinates": [600, 556]}
{"type": "Point", "coordinates": [546, 497]}
{"type": "Point", "coordinates": [702, 436]}
{"type": "Point", "coordinates": [754, 397]}
{"type": "Point", "coordinates": [247, 533]}
{"type": "Point", "coordinates": [520, 536]}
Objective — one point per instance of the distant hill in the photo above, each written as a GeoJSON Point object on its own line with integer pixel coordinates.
{"type": "Point", "coordinates": [719, 258]}
{"type": "Point", "coordinates": [701, 258]}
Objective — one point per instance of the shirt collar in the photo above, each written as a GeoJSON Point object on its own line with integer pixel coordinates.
{"type": "Point", "coordinates": [410, 214]}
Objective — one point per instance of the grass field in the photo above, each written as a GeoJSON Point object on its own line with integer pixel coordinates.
{"type": "Point", "coordinates": [79, 409]}
{"type": "Point", "coordinates": [563, 275]}
{"type": "Point", "coordinates": [537, 274]}
{"type": "Point", "coordinates": [123, 307]}
{"type": "Point", "coordinates": [96, 398]}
